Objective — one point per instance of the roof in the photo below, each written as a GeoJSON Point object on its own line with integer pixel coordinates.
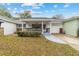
{"type": "Point", "coordinates": [72, 19]}
{"type": "Point", "coordinates": [33, 19]}
{"type": "Point", "coordinates": [2, 19]}
{"type": "Point", "coordinates": [57, 21]}
{"type": "Point", "coordinates": [6, 19]}
{"type": "Point", "coordinates": [41, 19]}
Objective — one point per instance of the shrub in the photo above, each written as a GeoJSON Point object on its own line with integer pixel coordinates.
{"type": "Point", "coordinates": [28, 34]}
{"type": "Point", "coordinates": [78, 32]}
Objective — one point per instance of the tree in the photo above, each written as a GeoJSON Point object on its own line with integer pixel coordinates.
{"type": "Point", "coordinates": [25, 14]}
{"type": "Point", "coordinates": [4, 12]}
{"type": "Point", "coordinates": [59, 16]}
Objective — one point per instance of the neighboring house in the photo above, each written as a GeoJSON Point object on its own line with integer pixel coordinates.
{"type": "Point", "coordinates": [8, 25]}
{"type": "Point", "coordinates": [71, 26]}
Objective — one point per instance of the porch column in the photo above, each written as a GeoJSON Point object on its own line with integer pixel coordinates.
{"type": "Point", "coordinates": [50, 27]}
{"type": "Point", "coordinates": [42, 27]}
{"type": "Point", "coordinates": [22, 26]}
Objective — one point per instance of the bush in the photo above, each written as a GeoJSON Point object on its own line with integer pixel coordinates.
{"type": "Point", "coordinates": [28, 34]}
{"type": "Point", "coordinates": [78, 32]}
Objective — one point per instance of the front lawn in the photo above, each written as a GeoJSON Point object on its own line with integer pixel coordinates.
{"type": "Point", "coordinates": [13, 45]}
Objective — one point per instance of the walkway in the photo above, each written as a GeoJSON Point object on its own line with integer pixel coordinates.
{"type": "Point", "coordinates": [53, 38]}
{"type": "Point", "coordinates": [74, 42]}
{"type": "Point", "coordinates": [71, 40]}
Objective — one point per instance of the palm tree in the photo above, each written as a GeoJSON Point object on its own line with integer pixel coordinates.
{"type": "Point", "coordinates": [25, 14]}
{"type": "Point", "coordinates": [4, 12]}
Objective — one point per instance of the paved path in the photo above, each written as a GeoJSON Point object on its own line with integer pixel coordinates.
{"type": "Point", "coordinates": [68, 39]}
{"type": "Point", "coordinates": [53, 38]}
{"type": "Point", "coordinates": [73, 42]}
{"type": "Point", "coordinates": [63, 39]}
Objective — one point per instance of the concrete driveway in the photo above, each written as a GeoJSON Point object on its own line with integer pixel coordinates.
{"type": "Point", "coordinates": [72, 41]}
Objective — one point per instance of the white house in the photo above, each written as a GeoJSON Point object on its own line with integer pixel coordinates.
{"type": "Point", "coordinates": [43, 25]}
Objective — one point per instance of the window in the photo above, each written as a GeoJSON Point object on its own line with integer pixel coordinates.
{"type": "Point", "coordinates": [19, 25]}
{"type": "Point", "coordinates": [0, 23]}
{"type": "Point", "coordinates": [36, 26]}
{"type": "Point", "coordinates": [24, 25]}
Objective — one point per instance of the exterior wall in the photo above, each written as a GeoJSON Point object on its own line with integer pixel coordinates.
{"type": "Point", "coordinates": [78, 24]}
{"type": "Point", "coordinates": [78, 28]}
{"type": "Point", "coordinates": [55, 28]}
{"type": "Point", "coordinates": [1, 31]}
{"type": "Point", "coordinates": [9, 28]}
{"type": "Point", "coordinates": [47, 25]}
{"type": "Point", "coordinates": [71, 27]}
{"type": "Point", "coordinates": [28, 26]}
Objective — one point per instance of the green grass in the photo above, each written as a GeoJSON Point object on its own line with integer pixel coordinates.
{"type": "Point", "coordinates": [33, 46]}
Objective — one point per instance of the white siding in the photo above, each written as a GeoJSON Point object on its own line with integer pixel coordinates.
{"type": "Point", "coordinates": [9, 28]}
{"type": "Point", "coordinates": [47, 25]}
{"type": "Point", "coordinates": [71, 27]}
{"type": "Point", "coordinates": [28, 26]}
{"type": "Point", "coordinates": [55, 28]}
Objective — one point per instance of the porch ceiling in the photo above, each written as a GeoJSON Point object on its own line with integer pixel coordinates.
{"type": "Point", "coordinates": [36, 22]}
{"type": "Point", "coordinates": [39, 19]}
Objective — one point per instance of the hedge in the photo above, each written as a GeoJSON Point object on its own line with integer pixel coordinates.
{"type": "Point", "coordinates": [28, 34]}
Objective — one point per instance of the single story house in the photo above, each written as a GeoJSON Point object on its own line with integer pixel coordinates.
{"type": "Point", "coordinates": [43, 25]}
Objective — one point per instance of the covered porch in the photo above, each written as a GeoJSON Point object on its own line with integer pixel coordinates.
{"type": "Point", "coordinates": [35, 26]}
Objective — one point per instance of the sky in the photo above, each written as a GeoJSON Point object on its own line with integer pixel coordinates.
{"type": "Point", "coordinates": [43, 9]}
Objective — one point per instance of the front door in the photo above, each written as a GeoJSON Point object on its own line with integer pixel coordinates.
{"type": "Point", "coordinates": [61, 30]}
